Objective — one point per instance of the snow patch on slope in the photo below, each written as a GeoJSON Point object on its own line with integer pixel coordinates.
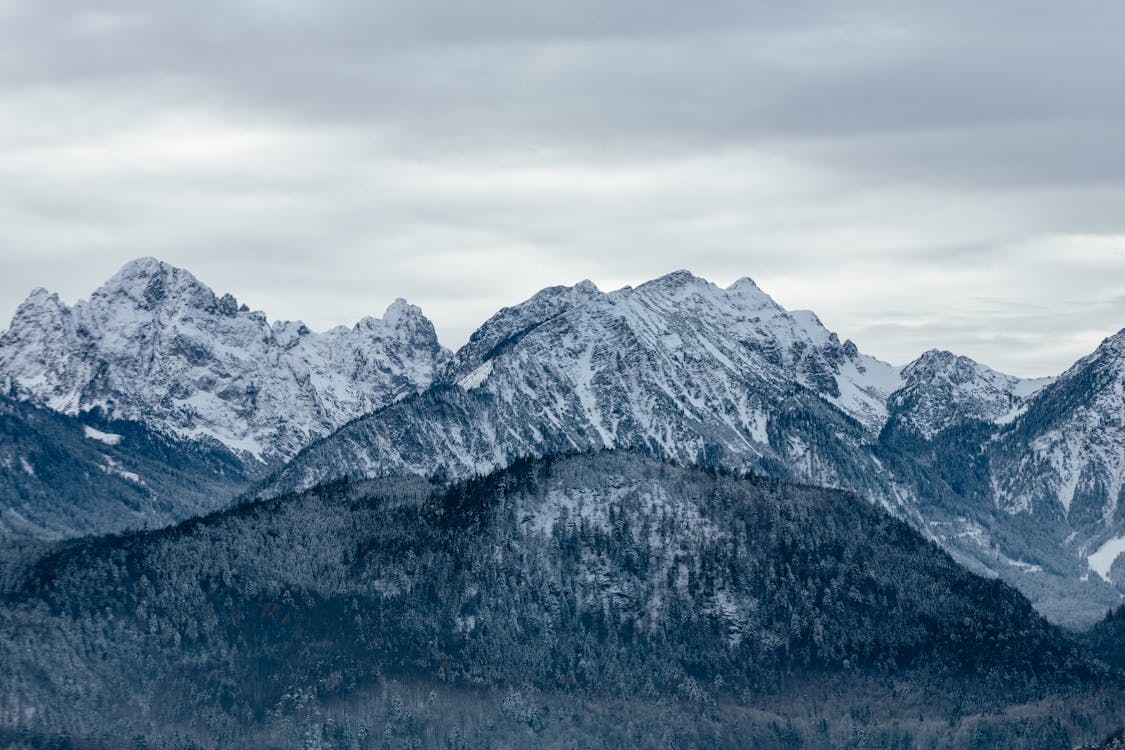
{"type": "Point", "coordinates": [477, 377]}
{"type": "Point", "coordinates": [102, 437]}
{"type": "Point", "coordinates": [1102, 560]}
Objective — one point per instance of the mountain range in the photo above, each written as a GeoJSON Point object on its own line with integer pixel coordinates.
{"type": "Point", "coordinates": [1018, 479]}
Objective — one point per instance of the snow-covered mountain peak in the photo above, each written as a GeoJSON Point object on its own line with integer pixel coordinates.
{"type": "Point", "coordinates": [1112, 347]}
{"type": "Point", "coordinates": [399, 310]}
{"type": "Point", "coordinates": [750, 295]}
{"type": "Point", "coordinates": [942, 389]}
{"type": "Point", "coordinates": [939, 362]}
{"type": "Point", "coordinates": [677, 365]}
{"type": "Point", "coordinates": [400, 315]}
{"type": "Point", "coordinates": [810, 324]}
{"type": "Point", "coordinates": [677, 283]}
{"type": "Point", "coordinates": [744, 283]}
{"type": "Point", "coordinates": [40, 297]}
{"type": "Point", "coordinates": [40, 302]}
{"type": "Point", "coordinates": [788, 343]}
{"type": "Point", "coordinates": [149, 283]}
{"type": "Point", "coordinates": [155, 344]}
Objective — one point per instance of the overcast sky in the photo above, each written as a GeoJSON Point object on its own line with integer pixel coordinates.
{"type": "Point", "coordinates": [933, 174]}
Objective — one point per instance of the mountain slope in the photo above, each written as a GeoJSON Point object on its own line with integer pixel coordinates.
{"type": "Point", "coordinates": [589, 578]}
{"type": "Point", "coordinates": [1019, 479]}
{"type": "Point", "coordinates": [1066, 455]}
{"type": "Point", "coordinates": [155, 345]}
{"type": "Point", "coordinates": [62, 476]}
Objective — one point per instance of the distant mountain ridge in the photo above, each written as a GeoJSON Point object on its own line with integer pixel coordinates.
{"type": "Point", "coordinates": [676, 366]}
{"type": "Point", "coordinates": [941, 389]}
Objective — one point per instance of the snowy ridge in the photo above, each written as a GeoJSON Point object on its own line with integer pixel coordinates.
{"type": "Point", "coordinates": [155, 345]}
{"type": "Point", "coordinates": [676, 366]}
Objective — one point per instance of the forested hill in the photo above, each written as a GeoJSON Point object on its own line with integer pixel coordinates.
{"type": "Point", "coordinates": [66, 476]}
{"type": "Point", "coordinates": [532, 602]}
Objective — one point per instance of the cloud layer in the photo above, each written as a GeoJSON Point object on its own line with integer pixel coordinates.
{"type": "Point", "coordinates": [938, 174]}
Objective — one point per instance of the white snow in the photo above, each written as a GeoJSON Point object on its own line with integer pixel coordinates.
{"type": "Point", "coordinates": [1026, 387]}
{"type": "Point", "coordinates": [1102, 560]}
{"type": "Point", "coordinates": [759, 431]}
{"type": "Point", "coordinates": [102, 437]}
{"type": "Point", "coordinates": [477, 377]}
{"type": "Point", "coordinates": [114, 467]}
{"type": "Point", "coordinates": [865, 384]}
{"type": "Point", "coordinates": [583, 377]}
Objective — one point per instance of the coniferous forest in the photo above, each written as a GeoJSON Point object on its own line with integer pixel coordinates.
{"type": "Point", "coordinates": [590, 600]}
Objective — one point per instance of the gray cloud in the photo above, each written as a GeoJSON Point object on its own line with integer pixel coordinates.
{"type": "Point", "coordinates": [941, 174]}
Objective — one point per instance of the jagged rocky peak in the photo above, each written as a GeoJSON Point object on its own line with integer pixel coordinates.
{"type": "Point", "coordinates": [680, 282]}
{"type": "Point", "coordinates": [677, 366]}
{"type": "Point", "coordinates": [683, 284]}
{"type": "Point", "coordinates": [151, 284]}
{"type": "Point", "coordinates": [683, 294]}
{"type": "Point", "coordinates": [938, 365]}
{"type": "Point", "coordinates": [157, 345]}
{"type": "Point", "coordinates": [38, 299]}
{"type": "Point", "coordinates": [1110, 353]}
{"type": "Point", "coordinates": [683, 321]}
{"type": "Point", "coordinates": [942, 389]}
{"type": "Point", "coordinates": [41, 310]}
{"type": "Point", "coordinates": [401, 317]}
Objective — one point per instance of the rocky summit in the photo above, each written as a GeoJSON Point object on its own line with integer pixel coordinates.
{"type": "Point", "coordinates": [156, 345]}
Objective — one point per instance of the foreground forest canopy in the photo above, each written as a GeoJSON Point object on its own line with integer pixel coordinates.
{"type": "Point", "coordinates": [600, 600]}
